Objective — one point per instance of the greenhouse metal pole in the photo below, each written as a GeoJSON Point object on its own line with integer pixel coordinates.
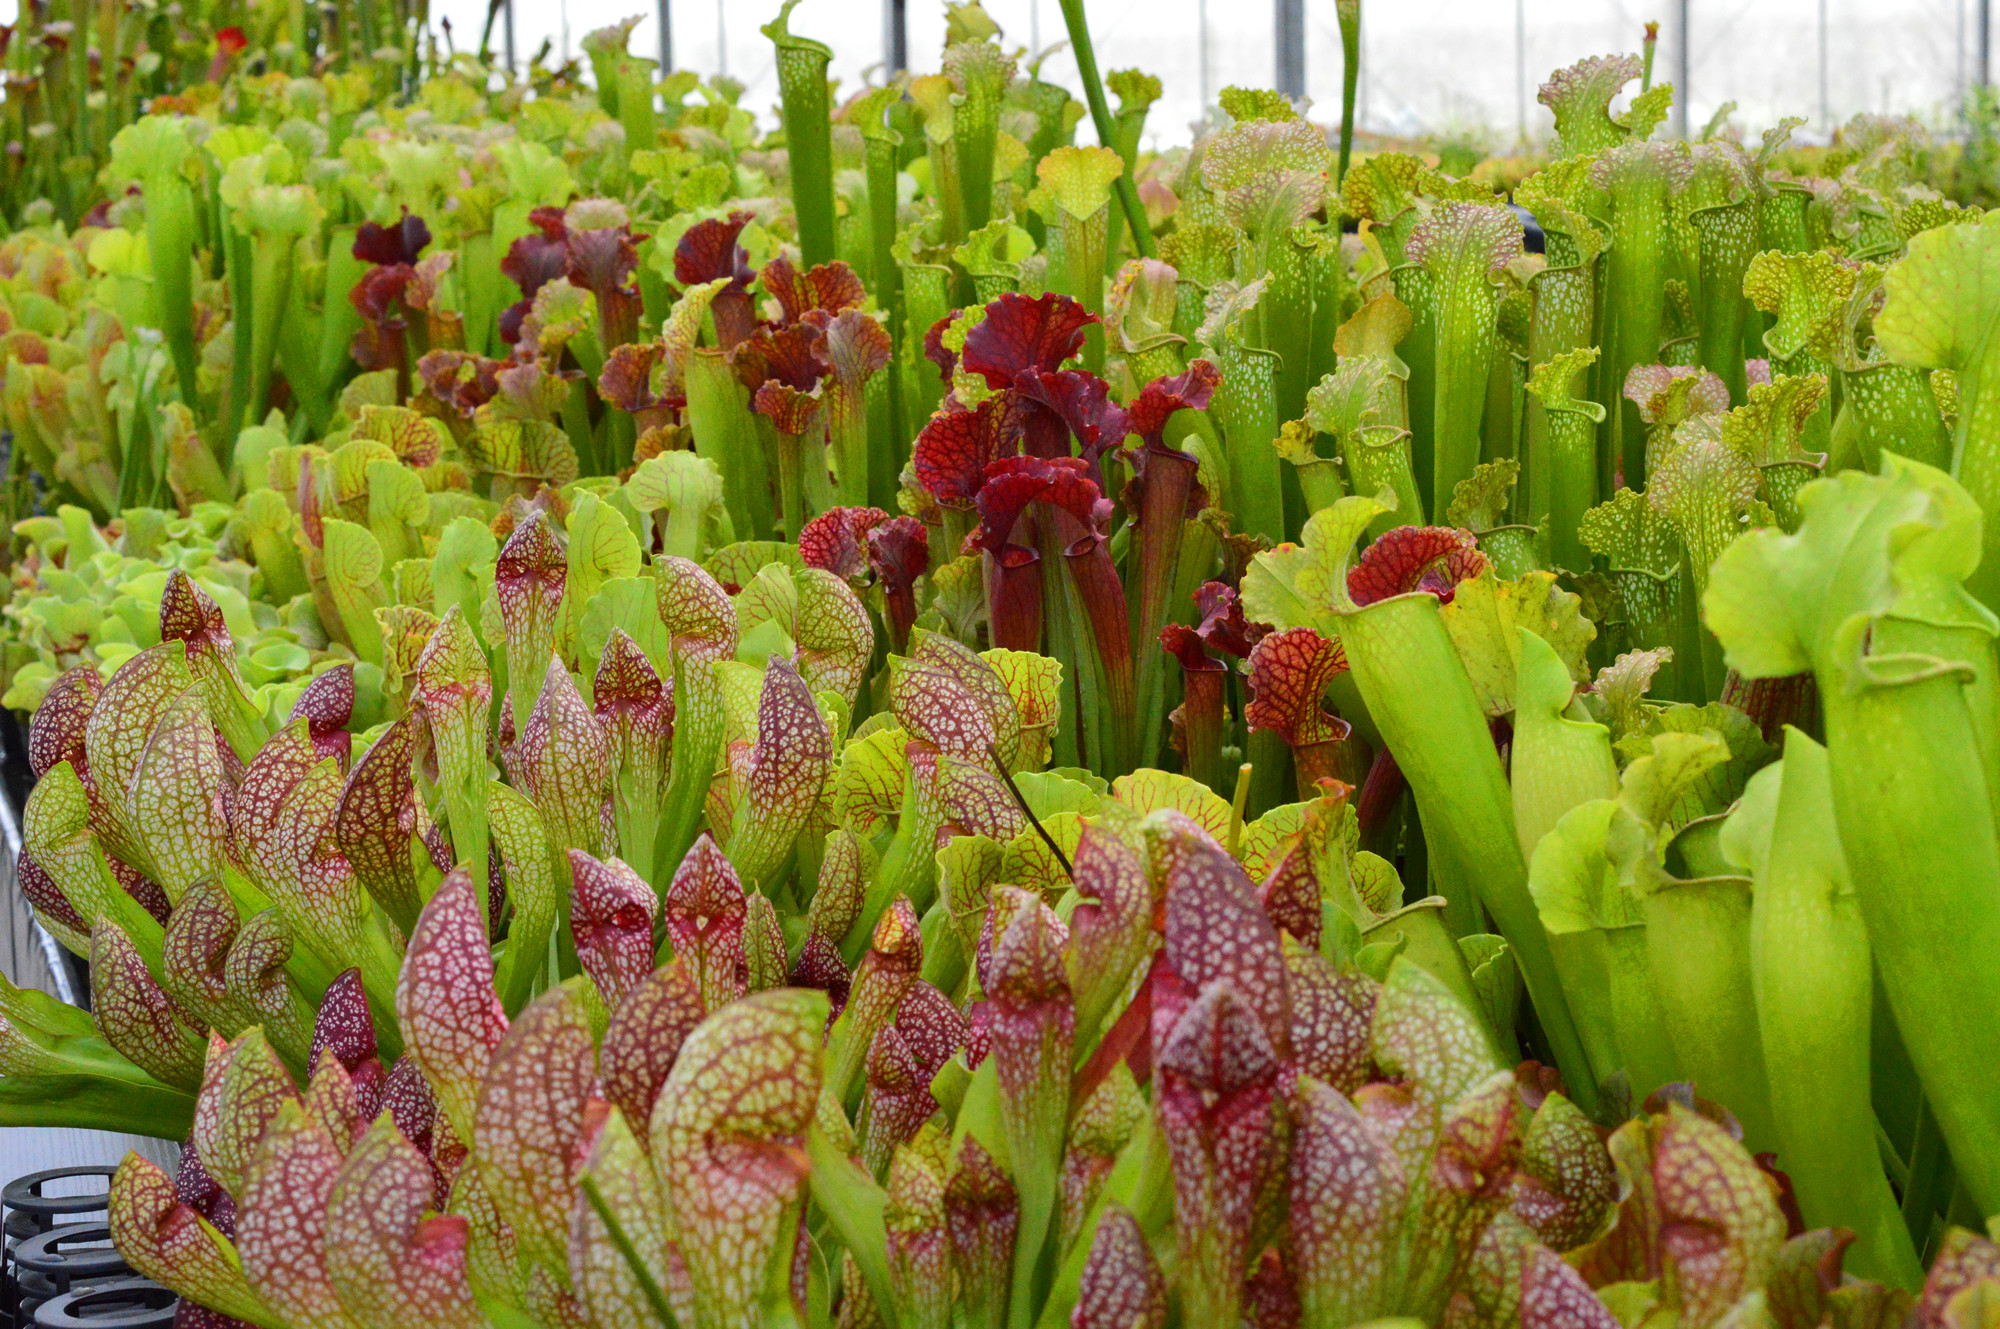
{"type": "Point", "coordinates": [1681, 64]}
{"type": "Point", "coordinates": [1520, 68]}
{"type": "Point", "coordinates": [1291, 22]}
{"type": "Point", "coordinates": [1985, 43]}
{"type": "Point", "coordinates": [1825, 118]}
{"type": "Point", "coordinates": [1201, 49]}
{"type": "Point", "coordinates": [896, 34]}
{"type": "Point", "coordinates": [666, 37]}
{"type": "Point", "coordinates": [1958, 70]}
{"type": "Point", "coordinates": [507, 33]}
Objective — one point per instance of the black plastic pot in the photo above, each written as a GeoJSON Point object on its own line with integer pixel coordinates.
{"type": "Point", "coordinates": [128, 1303]}
{"type": "Point", "coordinates": [60, 1267]}
{"type": "Point", "coordinates": [67, 1257]}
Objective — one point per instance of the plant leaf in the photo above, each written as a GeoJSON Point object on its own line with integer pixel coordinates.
{"type": "Point", "coordinates": [611, 914]}
{"type": "Point", "coordinates": [136, 1016]}
{"type": "Point", "coordinates": [391, 1265]}
{"type": "Point", "coordinates": [728, 1140]}
{"type": "Point", "coordinates": [529, 1132]}
{"type": "Point", "coordinates": [166, 1241]}
{"type": "Point", "coordinates": [281, 1221]}
{"type": "Point", "coordinates": [644, 1037]}
{"type": "Point", "coordinates": [243, 1087]}
{"type": "Point", "coordinates": [1484, 618]}
{"type": "Point", "coordinates": [445, 1003]}
{"type": "Point", "coordinates": [704, 922]}
{"type": "Point", "coordinates": [377, 818]}
{"type": "Point", "coordinates": [563, 759]}
{"type": "Point", "coordinates": [784, 776]}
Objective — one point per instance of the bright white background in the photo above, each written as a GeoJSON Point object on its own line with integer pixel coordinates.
{"type": "Point", "coordinates": [1427, 64]}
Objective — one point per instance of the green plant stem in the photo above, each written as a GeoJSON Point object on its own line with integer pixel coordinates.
{"type": "Point", "coordinates": [1163, 500]}
{"type": "Point", "coordinates": [1561, 759]}
{"type": "Point", "coordinates": [926, 299]}
{"type": "Point", "coordinates": [1570, 467]}
{"type": "Point", "coordinates": [1083, 243]}
{"type": "Point", "coordinates": [270, 284]}
{"type": "Point", "coordinates": [1349, 13]}
{"type": "Point", "coordinates": [1465, 314]}
{"type": "Point", "coordinates": [1728, 241]}
{"type": "Point", "coordinates": [697, 744]}
{"type": "Point", "coordinates": [238, 250]}
{"type": "Point", "coordinates": [1810, 962]}
{"type": "Point", "coordinates": [1929, 1180]}
{"type": "Point", "coordinates": [170, 242]}
{"type": "Point", "coordinates": [1246, 406]}
{"type": "Point", "coordinates": [635, 102]}
{"type": "Point", "coordinates": [1422, 701]}
{"type": "Point", "coordinates": [1565, 302]}
{"type": "Point", "coordinates": [1286, 316]}
{"type": "Point", "coordinates": [847, 432]}
{"type": "Point", "coordinates": [1270, 762]}
{"type": "Point", "coordinates": [726, 432]}
{"type": "Point", "coordinates": [1105, 620]}
{"type": "Point", "coordinates": [656, 1300]}
{"type": "Point", "coordinates": [1902, 743]}
{"type": "Point", "coordinates": [1378, 458]}
{"type": "Point", "coordinates": [1066, 636]}
{"type": "Point", "coordinates": [1886, 405]}
{"type": "Point", "coordinates": [808, 121]}
{"type": "Point", "coordinates": [1637, 283]}
{"type": "Point", "coordinates": [338, 318]}
{"type": "Point", "coordinates": [1101, 119]}
{"type": "Point", "coordinates": [854, 1204]}
{"type": "Point", "coordinates": [1698, 943]}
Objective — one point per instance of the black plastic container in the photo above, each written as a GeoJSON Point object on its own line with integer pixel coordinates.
{"type": "Point", "coordinates": [127, 1303]}
{"type": "Point", "coordinates": [60, 1267]}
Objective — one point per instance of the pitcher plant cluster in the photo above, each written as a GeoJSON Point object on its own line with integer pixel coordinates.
{"type": "Point", "coordinates": [889, 720]}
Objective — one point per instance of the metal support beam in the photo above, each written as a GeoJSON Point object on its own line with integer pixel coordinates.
{"type": "Point", "coordinates": [1201, 50]}
{"type": "Point", "coordinates": [896, 35]}
{"type": "Point", "coordinates": [1984, 62]}
{"type": "Point", "coordinates": [1520, 68]}
{"type": "Point", "coordinates": [1291, 43]}
{"type": "Point", "coordinates": [1958, 71]}
{"type": "Point", "coordinates": [507, 32]}
{"type": "Point", "coordinates": [1825, 114]}
{"type": "Point", "coordinates": [1683, 85]}
{"type": "Point", "coordinates": [666, 12]}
